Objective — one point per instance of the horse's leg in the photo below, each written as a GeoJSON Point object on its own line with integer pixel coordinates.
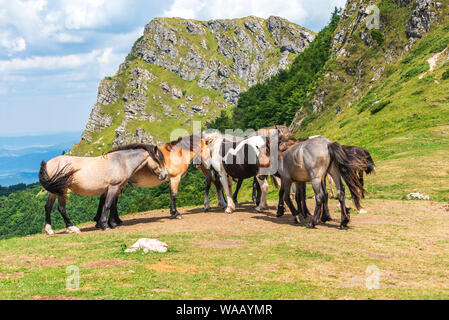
{"type": "Point", "coordinates": [325, 206]}
{"type": "Point", "coordinates": [226, 182]}
{"type": "Point", "coordinates": [174, 185]}
{"type": "Point", "coordinates": [263, 183]}
{"type": "Point", "coordinates": [331, 188]}
{"type": "Point", "coordinates": [286, 185]}
{"type": "Point", "coordinates": [114, 220]}
{"type": "Point", "coordinates": [100, 207]}
{"type": "Point", "coordinates": [62, 210]}
{"type": "Point", "coordinates": [281, 209]}
{"type": "Point", "coordinates": [345, 216]}
{"type": "Point", "coordinates": [236, 192]}
{"type": "Point", "coordinates": [220, 194]}
{"type": "Point", "coordinates": [320, 197]}
{"type": "Point", "coordinates": [48, 207]}
{"type": "Point", "coordinates": [258, 193]}
{"type": "Point", "coordinates": [300, 197]}
{"type": "Point", "coordinates": [254, 194]}
{"type": "Point", "coordinates": [207, 185]}
{"type": "Point", "coordinates": [112, 192]}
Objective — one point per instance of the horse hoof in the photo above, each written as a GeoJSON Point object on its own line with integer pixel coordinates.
{"type": "Point", "coordinates": [206, 209]}
{"type": "Point", "coordinates": [280, 214]}
{"type": "Point", "coordinates": [229, 211]}
{"type": "Point", "coordinates": [343, 227]}
{"type": "Point", "coordinates": [48, 230]}
{"type": "Point", "coordinates": [72, 229]}
{"type": "Point", "coordinates": [102, 226]}
{"type": "Point", "coordinates": [119, 222]}
{"type": "Point", "coordinates": [311, 226]}
{"type": "Point", "coordinates": [113, 225]}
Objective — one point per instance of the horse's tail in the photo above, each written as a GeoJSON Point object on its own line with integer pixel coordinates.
{"type": "Point", "coordinates": [59, 182]}
{"type": "Point", "coordinates": [349, 166]}
{"type": "Point", "coordinates": [275, 181]}
{"type": "Point", "coordinates": [370, 162]}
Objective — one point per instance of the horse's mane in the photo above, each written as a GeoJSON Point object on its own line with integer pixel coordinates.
{"type": "Point", "coordinates": [282, 130]}
{"type": "Point", "coordinates": [154, 152]}
{"type": "Point", "coordinates": [285, 144]}
{"type": "Point", "coordinates": [185, 143]}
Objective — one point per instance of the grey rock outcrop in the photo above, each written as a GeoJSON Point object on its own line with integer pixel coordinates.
{"type": "Point", "coordinates": [227, 56]}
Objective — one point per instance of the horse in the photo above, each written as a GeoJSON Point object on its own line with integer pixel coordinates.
{"type": "Point", "coordinates": [310, 161]}
{"type": "Point", "coordinates": [93, 176]}
{"type": "Point", "coordinates": [235, 157]}
{"type": "Point", "coordinates": [178, 155]}
{"type": "Point", "coordinates": [211, 176]}
{"type": "Point", "coordinates": [371, 167]}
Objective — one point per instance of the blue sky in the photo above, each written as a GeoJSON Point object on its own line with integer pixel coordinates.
{"type": "Point", "coordinates": [53, 53]}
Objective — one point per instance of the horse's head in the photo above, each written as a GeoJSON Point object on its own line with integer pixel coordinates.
{"type": "Point", "coordinates": [156, 163]}
{"type": "Point", "coordinates": [202, 156]}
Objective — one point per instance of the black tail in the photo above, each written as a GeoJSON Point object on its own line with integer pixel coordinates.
{"type": "Point", "coordinates": [60, 181]}
{"type": "Point", "coordinates": [349, 165]}
{"type": "Point", "coordinates": [370, 162]}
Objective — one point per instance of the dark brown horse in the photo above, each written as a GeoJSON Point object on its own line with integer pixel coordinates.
{"type": "Point", "coordinates": [356, 152]}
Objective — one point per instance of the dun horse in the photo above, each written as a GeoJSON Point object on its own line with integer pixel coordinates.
{"type": "Point", "coordinates": [178, 155]}
{"type": "Point", "coordinates": [94, 176]}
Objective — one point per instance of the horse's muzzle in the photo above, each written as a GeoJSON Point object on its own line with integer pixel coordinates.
{"type": "Point", "coordinates": [162, 176]}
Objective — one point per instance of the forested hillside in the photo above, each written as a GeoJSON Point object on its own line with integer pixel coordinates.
{"type": "Point", "coordinates": [22, 212]}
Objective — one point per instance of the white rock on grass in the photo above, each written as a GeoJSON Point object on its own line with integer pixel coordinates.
{"type": "Point", "coordinates": [148, 245]}
{"type": "Point", "coordinates": [417, 196]}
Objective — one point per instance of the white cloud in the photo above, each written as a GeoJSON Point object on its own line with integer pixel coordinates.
{"type": "Point", "coordinates": [72, 61]}
{"type": "Point", "coordinates": [11, 43]}
{"type": "Point", "coordinates": [203, 9]}
{"type": "Point", "coordinates": [60, 21]}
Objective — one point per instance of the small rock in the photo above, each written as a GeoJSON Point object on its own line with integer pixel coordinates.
{"type": "Point", "coordinates": [417, 196]}
{"type": "Point", "coordinates": [148, 245]}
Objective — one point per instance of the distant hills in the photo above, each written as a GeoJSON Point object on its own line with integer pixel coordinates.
{"type": "Point", "coordinates": [20, 157]}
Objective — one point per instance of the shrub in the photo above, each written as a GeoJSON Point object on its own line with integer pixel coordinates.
{"type": "Point", "coordinates": [415, 70]}
{"type": "Point", "coordinates": [445, 75]}
{"type": "Point", "coordinates": [378, 36]}
{"type": "Point", "coordinates": [379, 106]}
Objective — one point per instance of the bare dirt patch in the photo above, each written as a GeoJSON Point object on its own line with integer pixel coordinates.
{"type": "Point", "coordinates": [36, 261]}
{"type": "Point", "coordinates": [162, 266]}
{"type": "Point", "coordinates": [15, 275]}
{"type": "Point", "coordinates": [221, 244]}
{"type": "Point", "coordinates": [54, 298]}
{"type": "Point", "coordinates": [107, 263]}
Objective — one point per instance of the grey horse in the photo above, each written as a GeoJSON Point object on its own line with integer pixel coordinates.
{"type": "Point", "coordinates": [310, 161]}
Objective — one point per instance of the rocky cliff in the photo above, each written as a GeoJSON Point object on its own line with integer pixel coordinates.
{"type": "Point", "coordinates": [184, 70]}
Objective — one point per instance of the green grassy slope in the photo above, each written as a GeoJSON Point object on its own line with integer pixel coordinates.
{"type": "Point", "coordinates": [403, 117]}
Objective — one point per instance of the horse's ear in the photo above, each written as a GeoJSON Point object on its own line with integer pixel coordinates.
{"type": "Point", "coordinates": [155, 150]}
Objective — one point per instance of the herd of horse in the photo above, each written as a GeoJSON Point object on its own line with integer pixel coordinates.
{"type": "Point", "coordinates": [222, 158]}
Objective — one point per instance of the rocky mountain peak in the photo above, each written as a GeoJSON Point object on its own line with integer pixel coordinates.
{"type": "Point", "coordinates": [182, 70]}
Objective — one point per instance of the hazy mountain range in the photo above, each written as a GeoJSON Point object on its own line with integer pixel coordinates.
{"type": "Point", "coordinates": [20, 157]}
